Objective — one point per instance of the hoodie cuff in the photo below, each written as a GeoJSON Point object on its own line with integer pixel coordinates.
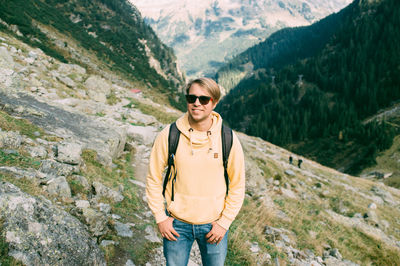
{"type": "Point", "coordinates": [224, 222]}
{"type": "Point", "coordinates": [160, 217]}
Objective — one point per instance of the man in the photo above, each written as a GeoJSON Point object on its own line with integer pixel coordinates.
{"type": "Point", "coordinates": [197, 206]}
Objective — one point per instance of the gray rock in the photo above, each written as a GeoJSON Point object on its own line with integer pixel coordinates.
{"type": "Point", "coordinates": [123, 230]}
{"type": "Point", "coordinates": [129, 263]}
{"type": "Point", "coordinates": [384, 224]}
{"type": "Point", "coordinates": [18, 172]}
{"type": "Point", "coordinates": [80, 180]}
{"type": "Point", "coordinates": [138, 183]}
{"type": "Point", "coordinates": [106, 243]}
{"type": "Point", "coordinates": [325, 193]}
{"type": "Point", "coordinates": [143, 135]}
{"type": "Point", "coordinates": [71, 68]}
{"type": "Point", "coordinates": [151, 235]}
{"type": "Point", "coordinates": [335, 253]}
{"type": "Point", "coordinates": [254, 247]}
{"type": "Point", "coordinates": [98, 84]}
{"type": "Point", "coordinates": [96, 221]}
{"type": "Point", "coordinates": [385, 195]}
{"type": "Point", "coordinates": [103, 207]}
{"type": "Point", "coordinates": [288, 193]}
{"type": "Point", "coordinates": [115, 216]}
{"type": "Point", "coordinates": [372, 218]}
{"type": "Point", "coordinates": [37, 151]}
{"type": "Point", "coordinates": [69, 153]}
{"type": "Point", "coordinates": [137, 117]}
{"type": "Point", "coordinates": [103, 191]}
{"type": "Point", "coordinates": [38, 233]}
{"type": "Point", "coordinates": [82, 204]}
{"type": "Point", "coordinates": [67, 81]}
{"type": "Point", "coordinates": [6, 59]}
{"type": "Point", "coordinates": [372, 206]}
{"type": "Point", "coordinates": [97, 96]}
{"type": "Point", "coordinates": [274, 234]}
{"type": "Point", "coordinates": [54, 168]}
{"type": "Point", "coordinates": [290, 173]}
{"type": "Point", "coordinates": [59, 186]}
{"type": "Point", "coordinates": [10, 140]}
{"type": "Point", "coordinates": [94, 134]}
{"type": "Point", "coordinates": [6, 78]}
{"type": "Point", "coordinates": [33, 54]}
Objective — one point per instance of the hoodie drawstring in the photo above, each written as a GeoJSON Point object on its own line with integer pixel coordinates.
{"type": "Point", "coordinates": [190, 138]}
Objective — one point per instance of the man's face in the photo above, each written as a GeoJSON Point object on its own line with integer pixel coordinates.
{"type": "Point", "coordinates": [199, 112]}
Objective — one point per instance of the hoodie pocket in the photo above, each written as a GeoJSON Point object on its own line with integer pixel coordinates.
{"type": "Point", "coordinates": [197, 209]}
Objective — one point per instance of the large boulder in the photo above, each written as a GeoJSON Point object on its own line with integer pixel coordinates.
{"type": "Point", "coordinates": [69, 152]}
{"type": "Point", "coordinates": [94, 134]}
{"type": "Point", "coordinates": [103, 191]}
{"type": "Point", "coordinates": [39, 233]}
{"type": "Point", "coordinates": [59, 187]}
{"type": "Point", "coordinates": [96, 221]}
{"type": "Point", "coordinates": [143, 135]}
{"type": "Point", "coordinates": [98, 88]}
{"type": "Point", "coordinates": [10, 140]}
{"type": "Point", "coordinates": [53, 168]}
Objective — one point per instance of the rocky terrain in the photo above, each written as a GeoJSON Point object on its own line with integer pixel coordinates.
{"type": "Point", "coordinates": [74, 147]}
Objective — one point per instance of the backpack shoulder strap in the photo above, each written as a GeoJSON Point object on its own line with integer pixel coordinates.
{"type": "Point", "coordinates": [173, 140]}
{"type": "Point", "coordinates": [227, 141]}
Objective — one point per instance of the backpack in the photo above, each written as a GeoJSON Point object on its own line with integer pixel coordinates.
{"type": "Point", "coordinates": [173, 140]}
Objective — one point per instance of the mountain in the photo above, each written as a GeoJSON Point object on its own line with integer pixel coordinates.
{"type": "Point", "coordinates": [75, 140]}
{"type": "Point", "coordinates": [113, 30]}
{"type": "Point", "coordinates": [313, 97]}
{"type": "Point", "coordinates": [204, 34]}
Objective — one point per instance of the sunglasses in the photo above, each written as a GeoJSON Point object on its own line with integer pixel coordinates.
{"type": "Point", "coordinates": [191, 98]}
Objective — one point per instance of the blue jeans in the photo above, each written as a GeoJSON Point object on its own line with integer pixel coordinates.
{"type": "Point", "coordinates": [177, 252]}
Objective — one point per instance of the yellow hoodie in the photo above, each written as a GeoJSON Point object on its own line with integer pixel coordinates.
{"type": "Point", "coordinates": [200, 187]}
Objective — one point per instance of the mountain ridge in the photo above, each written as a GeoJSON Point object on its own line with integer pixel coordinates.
{"type": "Point", "coordinates": [193, 29]}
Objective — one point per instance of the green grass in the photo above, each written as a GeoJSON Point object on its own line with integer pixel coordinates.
{"type": "Point", "coordinates": [18, 159]}
{"type": "Point", "coordinates": [24, 127]}
{"type": "Point", "coordinates": [9, 123]}
{"type": "Point", "coordinates": [136, 248]}
{"type": "Point", "coordinates": [249, 226]}
{"type": "Point", "coordinates": [159, 114]}
{"type": "Point", "coordinates": [393, 182]}
{"type": "Point", "coordinates": [26, 185]}
{"type": "Point", "coordinates": [76, 187]}
{"type": "Point", "coordinates": [112, 98]}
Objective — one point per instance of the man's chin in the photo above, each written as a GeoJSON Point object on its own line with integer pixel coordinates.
{"type": "Point", "coordinates": [197, 118]}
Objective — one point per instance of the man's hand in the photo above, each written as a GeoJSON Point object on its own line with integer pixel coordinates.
{"type": "Point", "coordinates": [216, 234]}
{"type": "Point", "coordinates": [167, 230]}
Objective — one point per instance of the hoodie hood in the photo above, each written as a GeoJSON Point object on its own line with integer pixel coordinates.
{"type": "Point", "coordinates": [200, 139]}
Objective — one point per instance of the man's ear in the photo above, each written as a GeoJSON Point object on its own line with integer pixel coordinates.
{"type": "Point", "coordinates": [215, 104]}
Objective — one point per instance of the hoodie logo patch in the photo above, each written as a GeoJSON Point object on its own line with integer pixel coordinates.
{"type": "Point", "coordinates": [216, 155]}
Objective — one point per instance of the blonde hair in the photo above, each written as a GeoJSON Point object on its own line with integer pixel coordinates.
{"type": "Point", "coordinates": [209, 84]}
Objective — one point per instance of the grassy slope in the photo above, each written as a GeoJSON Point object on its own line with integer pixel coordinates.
{"type": "Point", "coordinates": [320, 192]}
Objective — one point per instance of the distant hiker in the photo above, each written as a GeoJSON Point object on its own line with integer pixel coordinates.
{"type": "Point", "coordinates": [290, 159]}
{"type": "Point", "coordinates": [203, 195]}
{"type": "Point", "coordinates": [299, 163]}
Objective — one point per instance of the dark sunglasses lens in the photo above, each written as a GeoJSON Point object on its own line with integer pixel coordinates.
{"type": "Point", "coordinates": [204, 99]}
{"type": "Point", "coordinates": [191, 98]}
